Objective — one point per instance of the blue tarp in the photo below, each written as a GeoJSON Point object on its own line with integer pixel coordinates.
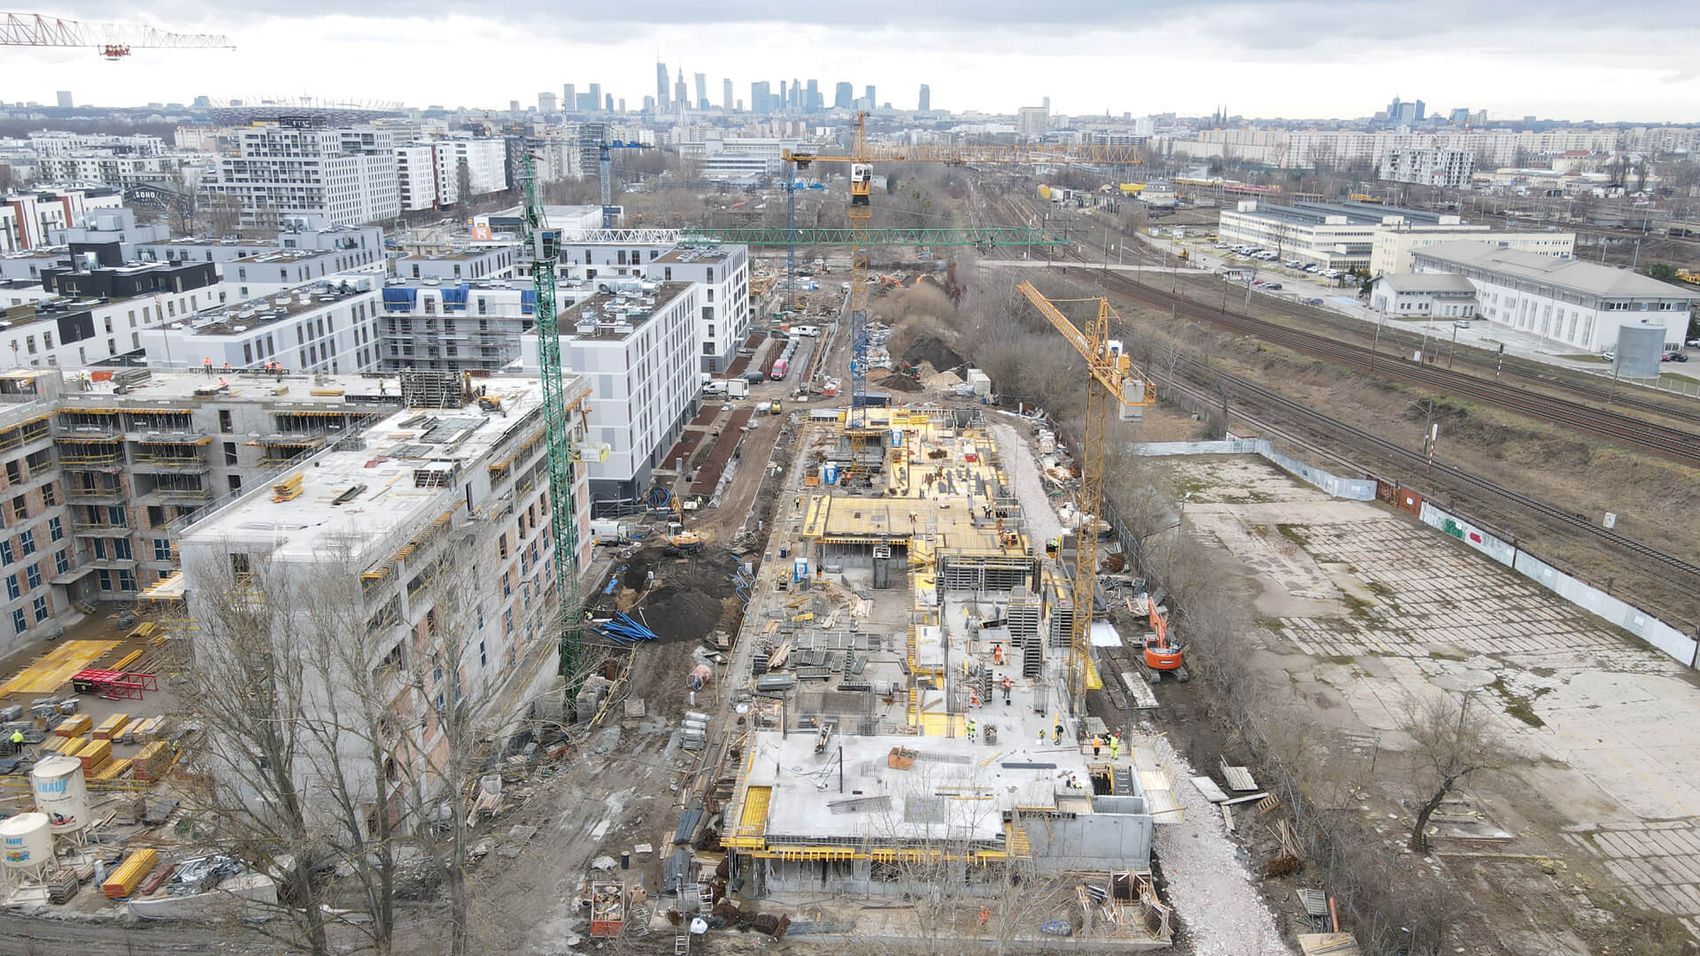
{"type": "Point", "coordinates": [454, 297]}
{"type": "Point", "coordinates": [400, 299]}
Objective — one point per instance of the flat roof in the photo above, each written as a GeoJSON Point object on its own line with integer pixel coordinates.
{"type": "Point", "coordinates": [1355, 213]}
{"type": "Point", "coordinates": [230, 318]}
{"type": "Point", "coordinates": [458, 255]}
{"type": "Point", "coordinates": [1574, 275]}
{"type": "Point", "coordinates": [392, 470]}
{"type": "Point", "coordinates": [608, 309]}
{"type": "Point", "coordinates": [715, 253]}
{"type": "Point", "coordinates": [292, 389]}
{"type": "Point", "coordinates": [284, 255]}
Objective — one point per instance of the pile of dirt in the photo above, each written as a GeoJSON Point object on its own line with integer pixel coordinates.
{"type": "Point", "coordinates": [898, 382]}
{"type": "Point", "coordinates": [690, 597]}
{"type": "Point", "coordinates": [931, 349]}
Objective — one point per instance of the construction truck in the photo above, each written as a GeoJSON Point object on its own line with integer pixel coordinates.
{"type": "Point", "coordinates": [1160, 656]}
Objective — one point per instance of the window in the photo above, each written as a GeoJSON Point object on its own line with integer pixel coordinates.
{"type": "Point", "coordinates": [121, 549]}
{"type": "Point", "coordinates": [234, 481]}
{"type": "Point", "coordinates": [26, 542]}
{"type": "Point", "coordinates": [20, 507]}
{"type": "Point", "coordinates": [14, 590]}
{"type": "Point", "coordinates": [162, 549]}
{"type": "Point", "coordinates": [61, 561]}
{"type": "Point", "coordinates": [41, 607]}
{"type": "Point", "coordinates": [126, 580]}
{"type": "Point", "coordinates": [483, 661]}
{"type": "Point", "coordinates": [230, 453]}
{"type": "Point", "coordinates": [33, 573]}
{"type": "Point", "coordinates": [20, 623]}
{"type": "Point", "coordinates": [115, 516]}
{"type": "Point", "coordinates": [6, 552]}
{"type": "Point", "coordinates": [224, 421]}
{"type": "Point", "coordinates": [54, 530]}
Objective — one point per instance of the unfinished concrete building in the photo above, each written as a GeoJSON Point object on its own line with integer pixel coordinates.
{"type": "Point", "coordinates": [908, 705]}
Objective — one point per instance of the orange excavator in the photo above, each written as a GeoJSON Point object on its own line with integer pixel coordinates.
{"type": "Point", "coordinates": [1161, 656]}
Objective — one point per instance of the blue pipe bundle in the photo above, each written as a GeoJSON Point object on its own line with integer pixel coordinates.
{"type": "Point", "coordinates": [622, 629]}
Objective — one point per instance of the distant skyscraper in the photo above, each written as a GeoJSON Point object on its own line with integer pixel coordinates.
{"type": "Point", "coordinates": [760, 92]}
{"type": "Point", "coordinates": [513, 106]}
{"type": "Point", "coordinates": [608, 103]}
{"type": "Point", "coordinates": [596, 96]}
{"type": "Point", "coordinates": [811, 100]}
{"type": "Point", "coordinates": [545, 102]}
{"type": "Point", "coordinates": [648, 105]}
{"type": "Point", "coordinates": [726, 96]}
{"type": "Point", "coordinates": [926, 105]}
{"type": "Point", "coordinates": [702, 91]}
{"type": "Point", "coordinates": [622, 102]}
{"type": "Point", "coordinates": [783, 101]}
{"type": "Point", "coordinates": [844, 97]}
{"type": "Point", "coordinates": [868, 100]}
{"type": "Point", "coordinates": [65, 100]}
{"type": "Point", "coordinates": [797, 103]}
{"type": "Point", "coordinates": [569, 97]}
{"type": "Point", "coordinates": [679, 94]}
{"type": "Point", "coordinates": [661, 86]}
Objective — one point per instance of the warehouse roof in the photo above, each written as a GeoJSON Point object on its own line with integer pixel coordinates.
{"type": "Point", "coordinates": [1427, 282]}
{"type": "Point", "coordinates": [1574, 275]}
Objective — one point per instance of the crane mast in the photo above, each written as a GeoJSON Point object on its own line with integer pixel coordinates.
{"type": "Point", "coordinates": [543, 247]}
{"type": "Point", "coordinates": [1111, 378]}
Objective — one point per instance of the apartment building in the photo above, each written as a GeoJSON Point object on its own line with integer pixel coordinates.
{"type": "Point", "coordinates": [344, 176]}
{"type": "Point", "coordinates": [429, 172]}
{"type": "Point", "coordinates": [416, 175]}
{"type": "Point", "coordinates": [1579, 305]}
{"type": "Point", "coordinates": [466, 325]}
{"type": "Point", "coordinates": [30, 220]}
{"type": "Point", "coordinates": [485, 260]}
{"type": "Point", "coordinates": [723, 272]}
{"type": "Point", "coordinates": [1392, 246]}
{"type": "Point", "coordinates": [354, 246]}
{"type": "Point", "coordinates": [82, 317]}
{"type": "Point", "coordinates": [440, 518]}
{"type": "Point", "coordinates": [102, 474]}
{"type": "Point", "coordinates": [638, 354]}
{"type": "Point", "coordinates": [329, 327]}
{"type": "Point", "coordinates": [280, 270]}
{"type": "Point", "coordinates": [1429, 166]}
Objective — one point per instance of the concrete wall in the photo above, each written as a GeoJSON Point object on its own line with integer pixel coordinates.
{"type": "Point", "coordinates": [1091, 842]}
{"type": "Point", "coordinates": [1357, 489]}
{"type": "Point", "coordinates": [1682, 647]}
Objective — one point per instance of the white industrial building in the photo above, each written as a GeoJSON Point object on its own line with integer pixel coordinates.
{"type": "Point", "coordinates": [1434, 295]}
{"type": "Point", "coordinates": [1428, 166]}
{"type": "Point", "coordinates": [434, 537]}
{"type": "Point", "coordinates": [1392, 246]}
{"type": "Point", "coordinates": [1332, 235]}
{"type": "Point", "coordinates": [326, 327]}
{"type": "Point", "coordinates": [638, 354]}
{"type": "Point", "coordinates": [743, 159]}
{"type": "Point", "coordinates": [1580, 305]}
{"type": "Point", "coordinates": [346, 176]}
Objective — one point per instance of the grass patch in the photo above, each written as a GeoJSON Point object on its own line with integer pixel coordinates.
{"type": "Point", "coordinates": [1357, 607]}
{"type": "Point", "coordinates": [1292, 533]}
{"type": "Point", "coordinates": [1341, 659]}
{"type": "Point", "coordinates": [1455, 657]}
{"type": "Point", "coordinates": [1585, 357]}
{"type": "Point", "coordinates": [1519, 706]}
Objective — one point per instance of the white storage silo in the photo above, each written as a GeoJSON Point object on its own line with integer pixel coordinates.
{"type": "Point", "coordinates": [62, 793]}
{"type": "Point", "coordinates": [26, 842]}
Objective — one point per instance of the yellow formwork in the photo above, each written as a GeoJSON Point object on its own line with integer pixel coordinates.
{"type": "Point", "coordinates": [45, 674]}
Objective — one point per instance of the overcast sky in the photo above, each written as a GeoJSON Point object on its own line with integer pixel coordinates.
{"type": "Point", "coordinates": [1571, 59]}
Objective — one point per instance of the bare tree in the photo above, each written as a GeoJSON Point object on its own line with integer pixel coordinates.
{"type": "Point", "coordinates": [248, 691]}
{"type": "Point", "coordinates": [1449, 749]}
{"type": "Point", "coordinates": [463, 184]}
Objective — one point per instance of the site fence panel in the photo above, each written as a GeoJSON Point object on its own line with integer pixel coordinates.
{"type": "Point", "coordinates": [1476, 537]}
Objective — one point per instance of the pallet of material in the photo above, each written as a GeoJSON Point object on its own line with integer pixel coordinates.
{"type": "Point", "coordinates": [95, 754]}
{"type": "Point", "coordinates": [123, 663]}
{"type": "Point", "coordinates": [130, 873]}
{"type": "Point", "coordinates": [151, 761]}
{"type": "Point", "coordinates": [110, 727]}
{"type": "Point", "coordinates": [113, 769]}
{"type": "Point", "coordinates": [75, 725]}
{"type": "Point", "coordinates": [64, 745]}
{"type": "Point", "coordinates": [144, 729]}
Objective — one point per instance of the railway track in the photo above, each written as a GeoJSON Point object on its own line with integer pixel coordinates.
{"type": "Point", "coordinates": [1475, 485]}
{"type": "Point", "coordinates": [1667, 441]}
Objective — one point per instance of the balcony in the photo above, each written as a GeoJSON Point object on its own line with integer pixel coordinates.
{"type": "Point", "coordinates": [96, 530]}
{"type": "Point", "coordinates": [96, 496]}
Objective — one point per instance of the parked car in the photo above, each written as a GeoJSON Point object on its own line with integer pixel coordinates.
{"type": "Point", "coordinates": [1461, 323]}
{"type": "Point", "coordinates": [1272, 287]}
{"type": "Point", "coordinates": [1313, 268]}
{"type": "Point", "coordinates": [1694, 343]}
{"type": "Point", "coordinates": [1609, 355]}
{"type": "Point", "coordinates": [1673, 357]}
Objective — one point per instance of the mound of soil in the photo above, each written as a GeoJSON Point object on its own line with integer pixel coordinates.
{"type": "Point", "coordinates": [691, 598]}
{"type": "Point", "coordinates": [929, 348]}
{"type": "Point", "coordinates": [898, 382]}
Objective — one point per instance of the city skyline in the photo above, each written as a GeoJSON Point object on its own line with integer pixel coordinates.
{"type": "Point", "coordinates": [1582, 65]}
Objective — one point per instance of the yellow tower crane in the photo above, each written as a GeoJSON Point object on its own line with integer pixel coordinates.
{"type": "Point", "coordinates": [862, 159]}
{"type": "Point", "coordinates": [1112, 378]}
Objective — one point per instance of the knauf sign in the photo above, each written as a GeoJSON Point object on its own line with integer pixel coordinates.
{"type": "Point", "coordinates": [17, 851]}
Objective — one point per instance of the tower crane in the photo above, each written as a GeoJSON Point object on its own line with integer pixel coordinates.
{"type": "Point", "coordinates": [113, 40]}
{"type": "Point", "coordinates": [861, 161]}
{"type": "Point", "coordinates": [605, 172]}
{"type": "Point", "coordinates": [542, 245]}
{"type": "Point", "coordinates": [1111, 378]}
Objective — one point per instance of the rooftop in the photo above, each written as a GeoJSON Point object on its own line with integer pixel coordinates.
{"type": "Point", "coordinates": [1574, 275]}
{"type": "Point", "coordinates": [611, 317]}
{"type": "Point", "coordinates": [403, 471]}
{"type": "Point", "coordinates": [1355, 213]}
{"type": "Point", "coordinates": [714, 253]}
{"type": "Point", "coordinates": [1427, 282]}
{"type": "Point", "coordinates": [240, 385]}
{"type": "Point", "coordinates": [240, 317]}
{"type": "Point", "coordinates": [273, 256]}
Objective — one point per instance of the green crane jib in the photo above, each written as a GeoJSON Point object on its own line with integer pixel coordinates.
{"type": "Point", "coordinates": [986, 236]}
{"type": "Point", "coordinates": [543, 246]}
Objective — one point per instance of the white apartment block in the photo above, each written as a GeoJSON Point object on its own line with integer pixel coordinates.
{"type": "Point", "coordinates": [723, 272]}
{"type": "Point", "coordinates": [328, 327]}
{"type": "Point", "coordinates": [1579, 305]}
{"type": "Point", "coordinates": [1429, 166]}
{"type": "Point", "coordinates": [638, 354]}
{"type": "Point", "coordinates": [354, 246]}
{"type": "Point", "coordinates": [344, 176]}
{"type": "Point", "coordinates": [738, 158]}
{"type": "Point", "coordinates": [416, 171]}
{"type": "Point", "coordinates": [271, 272]}
{"type": "Point", "coordinates": [466, 325]}
{"type": "Point", "coordinates": [440, 519]}
{"type": "Point", "coordinates": [1390, 253]}
{"type": "Point", "coordinates": [429, 172]}
{"type": "Point", "coordinates": [1305, 149]}
{"type": "Point", "coordinates": [121, 171]}
{"type": "Point", "coordinates": [484, 260]}
{"type": "Point", "coordinates": [29, 220]}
